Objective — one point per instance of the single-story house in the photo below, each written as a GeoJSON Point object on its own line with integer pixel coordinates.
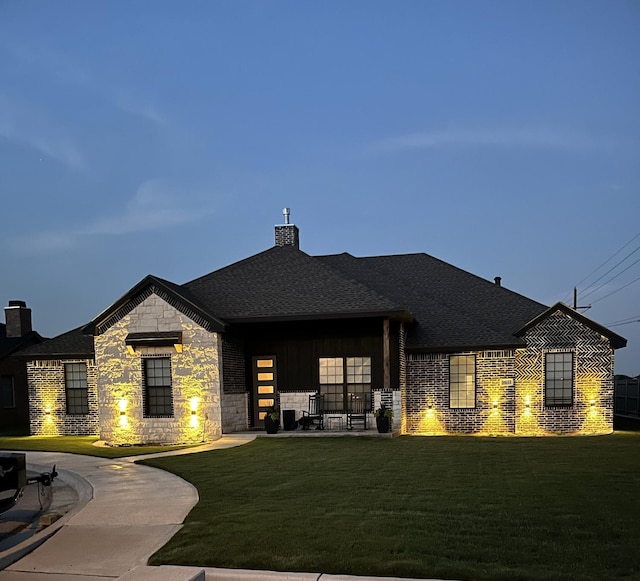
{"type": "Point", "coordinates": [15, 335]}
{"type": "Point", "coordinates": [449, 352]}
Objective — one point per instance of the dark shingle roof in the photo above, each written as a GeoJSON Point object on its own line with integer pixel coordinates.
{"type": "Point", "coordinates": [282, 283]}
{"type": "Point", "coordinates": [12, 345]}
{"type": "Point", "coordinates": [73, 343]}
{"type": "Point", "coordinates": [453, 308]}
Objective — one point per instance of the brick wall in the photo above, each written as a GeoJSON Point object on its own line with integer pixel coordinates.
{"type": "Point", "coordinates": [510, 387]}
{"type": "Point", "coordinates": [47, 400]}
{"type": "Point", "coordinates": [233, 364]}
{"type": "Point", "coordinates": [426, 397]}
{"type": "Point", "coordinates": [592, 409]}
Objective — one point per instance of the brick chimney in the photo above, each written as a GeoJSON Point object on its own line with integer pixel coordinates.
{"type": "Point", "coordinates": [287, 234]}
{"type": "Point", "coordinates": [18, 318]}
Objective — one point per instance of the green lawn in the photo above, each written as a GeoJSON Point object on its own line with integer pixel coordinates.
{"type": "Point", "coordinates": [76, 445]}
{"type": "Point", "coordinates": [450, 507]}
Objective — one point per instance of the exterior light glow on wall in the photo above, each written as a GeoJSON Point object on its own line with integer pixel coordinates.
{"type": "Point", "coordinates": [122, 405]}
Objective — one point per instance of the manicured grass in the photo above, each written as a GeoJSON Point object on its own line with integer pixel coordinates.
{"type": "Point", "coordinates": [76, 445]}
{"type": "Point", "coordinates": [449, 507]}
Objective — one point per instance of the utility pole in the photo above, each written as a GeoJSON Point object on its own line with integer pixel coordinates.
{"type": "Point", "coordinates": [575, 300]}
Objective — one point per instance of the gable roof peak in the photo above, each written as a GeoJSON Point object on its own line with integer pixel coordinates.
{"type": "Point", "coordinates": [617, 342]}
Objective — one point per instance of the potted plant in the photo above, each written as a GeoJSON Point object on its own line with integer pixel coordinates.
{"type": "Point", "coordinates": [272, 420]}
{"type": "Point", "coordinates": [383, 417]}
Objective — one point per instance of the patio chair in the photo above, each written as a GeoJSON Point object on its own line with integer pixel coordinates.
{"type": "Point", "coordinates": [315, 413]}
{"type": "Point", "coordinates": [357, 413]}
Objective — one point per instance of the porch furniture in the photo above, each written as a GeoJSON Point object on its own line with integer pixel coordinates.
{"type": "Point", "coordinates": [315, 413]}
{"type": "Point", "coordinates": [357, 413]}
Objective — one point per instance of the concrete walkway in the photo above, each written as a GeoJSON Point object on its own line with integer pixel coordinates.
{"type": "Point", "coordinates": [125, 512]}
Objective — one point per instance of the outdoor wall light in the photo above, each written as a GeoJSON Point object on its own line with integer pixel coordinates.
{"type": "Point", "coordinates": [193, 404]}
{"type": "Point", "coordinates": [47, 411]}
{"type": "Point", "coordinates": [122, 404]}
{"type": "Point", "coordinates": [593, 403]}
{"type": "Point", "coordinates": [527, 402]}
{"type": "Point", "coordinates": [495, 405]}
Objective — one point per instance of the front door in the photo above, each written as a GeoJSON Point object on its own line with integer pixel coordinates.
{"type": "Point", "coordinates": [265, 386]}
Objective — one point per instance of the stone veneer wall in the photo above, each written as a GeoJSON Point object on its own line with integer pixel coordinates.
{"type": "Point", "coordinates": [295, 400]}
{"type": "Point", "coordinates": [235, 407]}
{"type": "Point", "coordinates": [426, 397]}
{"type": "Point", "coordinates": [194, 374]}
{"type": "Point", "coordinates": [592, 409]}
{"type": "Point", "coordinates": [47, 394]}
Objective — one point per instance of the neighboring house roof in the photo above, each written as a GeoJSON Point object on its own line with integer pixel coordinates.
{"type": "Point", "coordinates": [12, 345]}
{"type": "Point", "coordinates": [284, 283]}
{"type": "Point", "coordinates": [617, 342]}
{"type": "Point", "coordinates": [72, 344]}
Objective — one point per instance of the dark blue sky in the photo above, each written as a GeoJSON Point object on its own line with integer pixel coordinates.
{"type": "Point", "coordinates": [166, 137]}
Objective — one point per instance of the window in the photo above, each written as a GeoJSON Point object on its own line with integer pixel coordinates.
{"type": "Point", "coordinates": [462, 381]}
{"type": "Point", "coordinates": [341, 377]}
{"type": "Point", "coordinates": [7, 394]}
{"type": "Point", "coordinates": [158, 394]}
{"type": "Point", "coordinates": [558, 379]}
{"type": "Point", "coordinates": [75, 379]}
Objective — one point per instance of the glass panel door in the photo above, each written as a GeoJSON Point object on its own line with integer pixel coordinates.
{"type": "Point", "coordinates": [265, 386]}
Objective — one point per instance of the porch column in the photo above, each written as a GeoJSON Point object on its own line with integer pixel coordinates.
{"type": "Point", "coordinates": [387, 354]}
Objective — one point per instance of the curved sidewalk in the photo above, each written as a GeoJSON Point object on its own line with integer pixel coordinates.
{"type": "Point", "coordinates": [124, 514]}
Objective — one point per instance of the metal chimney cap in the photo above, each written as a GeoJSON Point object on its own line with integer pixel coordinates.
{"type": "Point", "coordinates": [286, 212]}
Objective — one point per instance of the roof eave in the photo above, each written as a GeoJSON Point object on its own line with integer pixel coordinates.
{"type": "Point", "coordinates": [617, 341]}
{"type": "Point", "coordinates": [464, 347]}
{"type": "Point", "coordinates": [400, 315]}
{"type": "Point", "coordinates": [217, 325]}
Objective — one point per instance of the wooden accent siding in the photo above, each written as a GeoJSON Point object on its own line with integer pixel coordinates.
{"type": "Point", "coordinates": [298, 347]}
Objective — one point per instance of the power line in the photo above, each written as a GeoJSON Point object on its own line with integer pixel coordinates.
{"type": "Point", "coordinates": [618, 289]}
{"type": "Point", "coordinates": [568, 295]}
{"type": "Point", "coordinates": [619, 324]}
{"type": "Point", "coordinates": [608, 259]}
{"type": "Point", "coordinates": [608, 271]}
{"type": "Point", "coordinates": [625, 320]}
{"type": "Point", "coordinates": [613, 277]}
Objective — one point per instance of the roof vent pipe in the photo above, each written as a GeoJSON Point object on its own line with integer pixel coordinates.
{"type": "Point", "coordinates": [285, 213]}
{"type": "Point", "coordinates": [498, 280]}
